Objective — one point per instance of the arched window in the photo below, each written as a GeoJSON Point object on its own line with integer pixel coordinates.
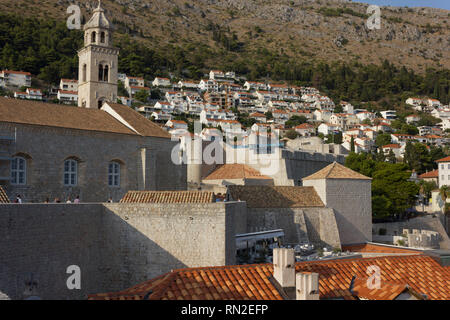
{"type": "Point", "coordinates": [18, 171]}
{"type": "Point", "coordinates": [102, 37]}
{"type": "Point", "coordinates": [70, 172]}
{"type": "Point", "coordinates": [100, 72]}
{"type": "Point", "coordinates": [84, 72]}
{"type": "Point", "coordinates": [114, 174]}
{"type": "Point", "coordinates": [106, 73]}
{"type": "Point", "coordinates": [93, 37]}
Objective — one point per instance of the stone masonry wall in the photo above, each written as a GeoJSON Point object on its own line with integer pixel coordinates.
{"type": "Point", "coordinates": [352, 204]}
{"type": "Point", "coordinates": [316, 225]}
{"type": "Point", "coordinates": [115, 245]}
{"type": "Point", "coordinates": [45, 150]}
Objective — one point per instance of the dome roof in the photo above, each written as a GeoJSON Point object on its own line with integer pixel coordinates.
{"type": "Point", "coordinates": [98, 20]}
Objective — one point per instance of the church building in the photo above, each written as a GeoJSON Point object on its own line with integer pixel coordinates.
{"type": "Point", "coordinates": [96, 151]}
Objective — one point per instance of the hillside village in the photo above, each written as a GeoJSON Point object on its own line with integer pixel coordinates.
{"type": "Point", "coordinates": [231, 104]}
{"type": "Point", "coordinates": [94, 178]}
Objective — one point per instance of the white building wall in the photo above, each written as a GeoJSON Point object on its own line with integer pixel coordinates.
{"type": "Point", "coordinates": [444, 174]}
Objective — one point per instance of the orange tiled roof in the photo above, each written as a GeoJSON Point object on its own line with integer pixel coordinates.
{"type": "Point", "coordinates": [376, 248]}
{"type": "Point", "coordinates": [68, 92]}
{"type": "Point", "coordinates": [276, 196]}
{"type": "Point", "coordinates": [304, 126]}
{"type": "Point", "coordinates": [53, 115]}
{"type": "Point", "coordinates": [17, 72]}
{"type": "Point", "coordinates": [336, 171]}
{"type": "Point", "coordinates": [388, 291]}
{"type": "Point", "coordinates": [392, 146]}
{"type": "Point", "coordinates": [446, 159]}
{"type": "Point", "coordinates": [3, 196]}
{"type": "Point", "coordinates": [235, 171]}
{"type": "Point", "coordinates": [251, 282]}
{"type": "Point", "coordinates": [168, 197]}
{"type": "Point", "coordinates": [430, 174]}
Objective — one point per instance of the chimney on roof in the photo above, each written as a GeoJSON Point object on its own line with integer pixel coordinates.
{"type": "Point", "coordinates": [307, 286]}
{"type": "Point", "coordinates": [284, 267]}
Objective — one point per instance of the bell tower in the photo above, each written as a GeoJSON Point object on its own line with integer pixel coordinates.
{"type": "Point", "coordinates": [98, 63]}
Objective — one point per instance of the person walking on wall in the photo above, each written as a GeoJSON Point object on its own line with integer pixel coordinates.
{"type": "Point", "coordinates": [18, 199]}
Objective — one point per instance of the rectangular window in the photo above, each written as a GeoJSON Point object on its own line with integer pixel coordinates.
{"type": "Point", "coordinates": [114, 174]}
{"type": "Point", "coordinates": [70, 172]}
{"type": "Point", "coordinates": [18, 171]}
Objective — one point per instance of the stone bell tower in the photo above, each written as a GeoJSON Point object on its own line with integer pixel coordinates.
{"type": "Point", "coordinates": [98, 63]}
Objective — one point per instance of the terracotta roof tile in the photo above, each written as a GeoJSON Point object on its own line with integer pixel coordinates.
{"type": "Point", "coordinates": [168, 197]}
{"type": "Point", "coordinates": [140, 123]}
{"type": "Point", "coordinates": [276, 196]}
{"type": "Point", "coordinates": [421, 273]}
{"type": "Point", "coordinates": [430, 174]}
{"type": "Point", "coordinates": [53, 115]}
{"type": "Point", "coordinates": [235, 171]}
{"type": "Point", "coordinates": [336, 171]}
{"type": "Point", "coordinates": [3, 196]}
{"type": "Point", "coordinates": [446, 159]}
{"type": "Point", "coordinates": [377, 248]}
{"type": "Point", "coordinates": [392, 146]}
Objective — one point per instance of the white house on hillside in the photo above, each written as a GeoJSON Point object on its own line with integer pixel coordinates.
{"type": "Point", "coordinates": [16, 78]}
{"type": "Point", "coordinates": [161, 82]}
{"type": "Point", "coordinates": [444, 171]}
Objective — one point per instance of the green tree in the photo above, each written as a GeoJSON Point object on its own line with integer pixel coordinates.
{"type": "Point", "coordinates": [141, 95]}
{"type": "Point", "coordinates": [291, 134]}
{"type": "Point", "coordinates": [383, 139]}
{"type": "Point", "coordinates": [409, 129]}
{"type": "Point", "coordinates": [391, 157]}
{"type": "Point", "coordinates": [417, 157]}
{"type": "Point", "coordinates": [426, 187]}
{"type": "Point", "coordinates": [295, 121]}
{"type": "Point", "coordinates": [392, 193]}
{"type": "Point", "coordinates": [367, 121]}
{"type": "Point", "coordinates": [390, 182]}
{"type": "Point", "coordinates": [352, 144]}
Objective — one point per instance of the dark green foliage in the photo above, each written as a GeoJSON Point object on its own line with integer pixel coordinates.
{"type": "Point", "coordinates": [392, 193]}
{"type": "Point", "coordinates": [427, 120]}
{"type": "Point", "coordinates": [334, 138]}
{"type": "Point", "coordinates": [268, 115]}
{"type": "Point", "coordinates": [291, 134]}
{"type": "Point", "coordinates": [141, 95]}
{"type": "Point", "coordinates": [42, 47]}
{"type": "Point", "coordinates": [295, 121]}
{"type": "Point", "coordinates": [417, 157]}
{"type": "Point", "coordinates": [338, 12]}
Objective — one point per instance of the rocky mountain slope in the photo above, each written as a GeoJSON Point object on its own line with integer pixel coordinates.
{"type": "Point", "coordinates": [332, 30]}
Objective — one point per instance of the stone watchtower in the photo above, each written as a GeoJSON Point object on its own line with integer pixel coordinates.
{"type": "Point", "coordinates": [98, 63]}
{"type": "Point", "coordinates": [349, 193]}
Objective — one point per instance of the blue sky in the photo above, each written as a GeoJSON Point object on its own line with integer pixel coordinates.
{"type": "Point", "coordinates": [443, 4]}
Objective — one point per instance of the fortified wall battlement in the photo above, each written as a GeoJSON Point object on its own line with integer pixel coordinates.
{"type": "Point", "coordinates": [115, 245]}
{"type": "Point", "coordinates": [420, 223]}
{"type": "Point", "coordinates": [422, 238]}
